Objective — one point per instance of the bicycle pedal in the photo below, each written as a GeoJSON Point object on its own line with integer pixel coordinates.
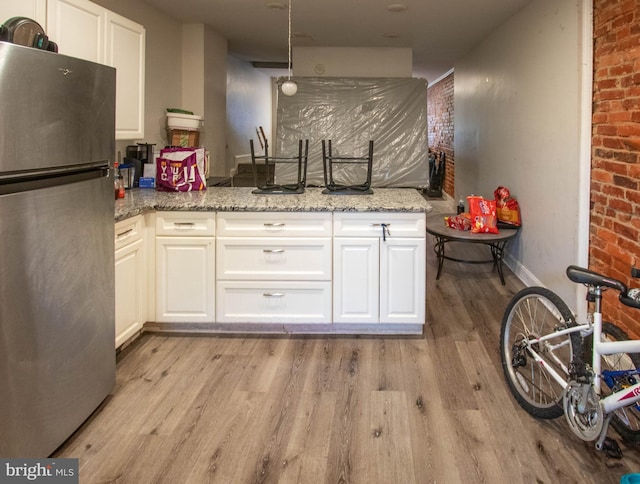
{"type": "Point", "coordinates": [611, 448]}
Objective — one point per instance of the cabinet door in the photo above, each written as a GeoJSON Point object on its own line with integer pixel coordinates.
{"type": "Point", "coordinates": [355, 280]}
{"type": "Point", "coordinates": [33, 9]}
{"type": "Point", "coordinates": [402, 280]}
{"type": "Point", "coordinates": [130, 293]}
{"type": "Point", "coordinates": [78, 27]}
{"type": "Point", "coordinates": [125, 49]}
{"type": "Point", "coordinates": [185, 279]}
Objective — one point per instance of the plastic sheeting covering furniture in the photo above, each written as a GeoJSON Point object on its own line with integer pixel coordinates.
{"type": "Point", "coordinates": [352, 111]}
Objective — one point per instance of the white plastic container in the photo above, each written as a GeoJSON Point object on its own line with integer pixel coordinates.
{"type": "Point", "coordinates": [189, 122]}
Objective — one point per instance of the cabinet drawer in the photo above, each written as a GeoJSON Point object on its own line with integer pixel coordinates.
{"type": "Point", "coordinates": [369, 224]}
{"type": "Point", "coordinates": [193, 224]}
{"type": "Point", "coordinates": [271, 258]}
{"type": "Point", "coordinates": [128, 231]}
{"type": "Point", "coordinates": [274, 224]}
{"type": "Point", "coordinates": [273, 302]}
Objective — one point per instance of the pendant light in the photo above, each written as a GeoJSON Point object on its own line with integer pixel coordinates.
{"type": "Point", "coordinates": [289, 87]}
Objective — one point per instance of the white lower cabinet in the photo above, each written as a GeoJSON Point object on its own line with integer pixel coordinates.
{"type": "Point", "coordinates": [185, 267]}
{"type": "Point", "coordinates": [314, 268]}
{"type": "Point", "coordinates": [273, 267]}
{"type": "Point", "coordinates": [130, 277]}
{"type": "Point", "coordinates": [379, 277]}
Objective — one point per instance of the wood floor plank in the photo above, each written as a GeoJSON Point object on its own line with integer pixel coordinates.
{"type": "Point", "coordinates": [308, 448]}
{"type": "Point", "coordinates": [389, 439]}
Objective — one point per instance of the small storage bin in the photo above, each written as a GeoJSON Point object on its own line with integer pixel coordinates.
{"type": "Point", "coordinates": [184, 138]}
{"type": "Point", "coordinates": [189, 122]}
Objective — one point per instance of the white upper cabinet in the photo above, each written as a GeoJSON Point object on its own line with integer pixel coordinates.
{"type": "Point", "coordinates": [33, 9]}
{"type": "Point", "coordinates": [88, 31]}
{"type": "Point", "coordinates": [125, 45]}
{"type": "Point", "coordinates": [78, 27]}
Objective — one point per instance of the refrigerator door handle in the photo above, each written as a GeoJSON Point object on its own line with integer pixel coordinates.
{"type": "Point", "coordinates": [22, 182]}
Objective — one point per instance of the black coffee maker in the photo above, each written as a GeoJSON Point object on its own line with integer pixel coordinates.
{"type": "Point", "coordinates": [136, 156]}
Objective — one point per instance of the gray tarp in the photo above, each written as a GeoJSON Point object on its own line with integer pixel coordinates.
{"type": "Point", "coordinates": [351, 111]}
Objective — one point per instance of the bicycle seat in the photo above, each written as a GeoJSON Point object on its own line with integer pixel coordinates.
{"type": "Point", "coordinates": [590, 278]}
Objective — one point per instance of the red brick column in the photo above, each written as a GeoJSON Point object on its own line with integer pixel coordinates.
{"type": "Point", "coordinates": [440, 126]}
{"type": "Point", "coordinates": [614, 244]}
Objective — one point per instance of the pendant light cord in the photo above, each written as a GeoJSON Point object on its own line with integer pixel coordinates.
{"type": "Point", "coordinates": [289, 44]}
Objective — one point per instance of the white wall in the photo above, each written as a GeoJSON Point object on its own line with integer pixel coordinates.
{"type": "Point", "coordinates": [204, 57]}
{"type": "Point", "coordinates": [517, 124]}
{"type": "Point", "coordinates": [215, 99]}
{"type": "Point", "coordinates": [193, 54]}
{"type": "Point", "coordinates": [248, 107]}
{"type": "Point", "coordinates": [352, 62]}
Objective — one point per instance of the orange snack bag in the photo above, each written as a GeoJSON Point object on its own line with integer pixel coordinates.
{"type": "Point", "coordinates": [483, 215]}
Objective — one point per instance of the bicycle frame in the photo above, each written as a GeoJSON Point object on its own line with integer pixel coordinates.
{"type": "Point", "coordinates": [622, 398]}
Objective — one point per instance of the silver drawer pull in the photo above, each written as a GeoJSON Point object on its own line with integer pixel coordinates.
{"type": "Point", "coordinates": [275, 225]}
{"type": "Point", "coordinates": [124, 234]}
{"type": "Point", "coordinates": [273, 251]}
{"type": "Point", "coordinates": [273, 294]}
{"type": "Point", "coordinates": [183, 225]}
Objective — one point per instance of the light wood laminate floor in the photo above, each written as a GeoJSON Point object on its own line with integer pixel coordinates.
{"type": "Point", "coordinates": [313, 409]}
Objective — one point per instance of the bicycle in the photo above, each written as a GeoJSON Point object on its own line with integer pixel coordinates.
{"type": "Point", "coordinates": [544, 353]}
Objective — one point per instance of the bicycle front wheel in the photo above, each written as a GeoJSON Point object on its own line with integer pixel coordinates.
{"type": "Point", "coordinates": [532, 313]}
{"type": "Point", "coordinates": [625, 420]}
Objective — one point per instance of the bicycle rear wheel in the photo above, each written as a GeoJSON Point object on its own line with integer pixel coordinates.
{"type": "Point", "coordinates": [531, 313]}
{"type": "Point", "coordinates": [625, 420]}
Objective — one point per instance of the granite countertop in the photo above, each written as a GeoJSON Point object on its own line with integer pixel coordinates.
{"type": "Point", "coordinates": [240, 199]}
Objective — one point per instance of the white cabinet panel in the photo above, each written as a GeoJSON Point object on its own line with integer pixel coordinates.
{"type": "Point", "coordinates": [273, 302]}
{"type": "Point", "coordinates": [33, 9]}
{"type": "Point", "coordinates": [130, 278]}
{"type": "Point", "coordinates": [274, 224]}
{"type": "Point", "coordinates": [125, 50]}
{"type": "Point", "coordinates": [130, 274]}
{"type": "Point", "coordinates": [355, 282]}
{"type": "Point", "coordinates": [185, 279]}
{"type": "Point", "coordinates": [403, 280]}
{"type": "Point", "coordinates": [128, 231]}
{"type": "Point", "coordinates": [78, 27]}
{"type": "Point", "coordinates": [265, 258]}
{"type": "Point", "coordinates": [369, 224]}
{"type": "Point", "coordinates": [185, 223]}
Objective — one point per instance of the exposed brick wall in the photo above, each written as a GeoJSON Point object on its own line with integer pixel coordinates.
{"type": "Point", "coordinates": [440, 126]}
{"type": "Point", "coordinates": [614, 244]}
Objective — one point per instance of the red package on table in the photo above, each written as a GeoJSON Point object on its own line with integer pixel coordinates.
{"type": "Point", "coordinates": [507, 208]}
{"type": "Point", "coordinates": [458, 222]}
{"type": "Point", "coordinates": [483, 215]}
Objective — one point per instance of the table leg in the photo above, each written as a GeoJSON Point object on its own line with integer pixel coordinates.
{"type": "Point", "coordinates": [497, 252]}
{"type": "Point", "coordinates": [438, 248]}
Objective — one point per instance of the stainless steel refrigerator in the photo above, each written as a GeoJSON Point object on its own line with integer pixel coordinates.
{"type": "Point", "coordinates": [57, 358]}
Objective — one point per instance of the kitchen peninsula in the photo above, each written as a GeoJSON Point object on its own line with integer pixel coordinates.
{"type": "Point", "coordinates": [227, 260]}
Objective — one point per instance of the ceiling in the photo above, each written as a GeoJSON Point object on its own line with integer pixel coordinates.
{"type": "Point", "coordinates": [439, 31]}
